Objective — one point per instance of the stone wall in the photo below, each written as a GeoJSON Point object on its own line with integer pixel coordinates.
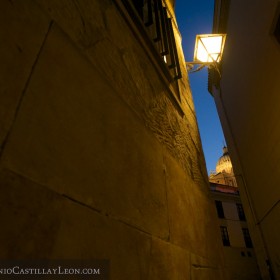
{"type": "Point", "coordinates": [96, 161]}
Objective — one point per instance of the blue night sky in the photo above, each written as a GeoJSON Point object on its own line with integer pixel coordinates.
{"type": "Point", "coordinates": [196, 17]}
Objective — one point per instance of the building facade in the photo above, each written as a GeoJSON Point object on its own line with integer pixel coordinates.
{"type": "Point", "coordinates": [224, 172]}
{"type": "Point", "coordinates": [247, 100]}
{"type": "Point", "coordinates": [239, 252]}
{"type": "Point", "coordinates": [100, 152]}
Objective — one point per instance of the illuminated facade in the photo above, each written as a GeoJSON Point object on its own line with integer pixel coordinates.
{"type": "Point", "coordinates": [247, 99]}
{"type": "Point", "coordinates": [239, 253]}
{"type": "Point", "coordinates": [224, 173]}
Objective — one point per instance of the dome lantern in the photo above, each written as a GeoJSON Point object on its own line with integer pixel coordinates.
{"type": "Point", "coordinates": [224, 163]}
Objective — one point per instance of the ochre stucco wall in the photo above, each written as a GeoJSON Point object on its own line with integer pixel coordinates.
{"type": "Point", "coordinates": [96, 162]}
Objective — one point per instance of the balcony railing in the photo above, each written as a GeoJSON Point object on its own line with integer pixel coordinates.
{"type": "Point", "coordinates": [158, 24]}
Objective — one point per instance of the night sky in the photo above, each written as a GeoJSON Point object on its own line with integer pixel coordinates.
{"type": "Point", "coordinates": [196, 17]}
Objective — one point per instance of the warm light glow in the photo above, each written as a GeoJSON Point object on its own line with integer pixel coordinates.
{"type": "Point", "coordinates": [209, 48]}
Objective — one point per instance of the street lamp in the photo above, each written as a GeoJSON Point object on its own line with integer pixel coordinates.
{"type": "Point", "coordinates": [208, 52]}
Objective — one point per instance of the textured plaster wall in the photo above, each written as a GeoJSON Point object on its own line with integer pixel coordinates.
{"type": "Point", "coordinates": [241, 267]}
{"type": "Point", "coordinates": [96, 162]}
{"type": "Point", "coordinates": [248, 104]}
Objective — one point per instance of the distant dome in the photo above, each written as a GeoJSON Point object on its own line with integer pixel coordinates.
{"type": "Point", "coordinates": [224, 162]}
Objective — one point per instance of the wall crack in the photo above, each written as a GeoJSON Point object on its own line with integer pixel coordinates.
{"type": "Point", "coordinates": [25, 89]}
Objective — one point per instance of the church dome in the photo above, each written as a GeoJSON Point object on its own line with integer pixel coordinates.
{"type": "Point", "coordinates": [224, 162]}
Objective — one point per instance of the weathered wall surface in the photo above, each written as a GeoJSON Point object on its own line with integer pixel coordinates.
{"type": "Point", "coordinates": [96, 162]}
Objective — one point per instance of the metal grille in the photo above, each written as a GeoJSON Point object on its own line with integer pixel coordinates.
{"type": "Point", "coordinates": [225, 237]}
{"type": "Point", "coordinates": [247, 238]}
{"type": "Point", "coordinates": [240, 211]}
{"type": "Point", "coordinates": [158, 24]}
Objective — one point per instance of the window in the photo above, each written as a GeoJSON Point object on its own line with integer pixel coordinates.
{"type": "Point", "coordinates": [225, 237]}
{"type": "Point", "coordinates": [155, 17]}
{"type": "Point", "coordinates": [240, 211]}
{"type": "Point", "coordinates": [219, 208]}
{"type": "Point", "coordinates": [247, 238]}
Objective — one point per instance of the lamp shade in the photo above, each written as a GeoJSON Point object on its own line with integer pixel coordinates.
{"type": "Point", "coordinates": [209, 47]}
